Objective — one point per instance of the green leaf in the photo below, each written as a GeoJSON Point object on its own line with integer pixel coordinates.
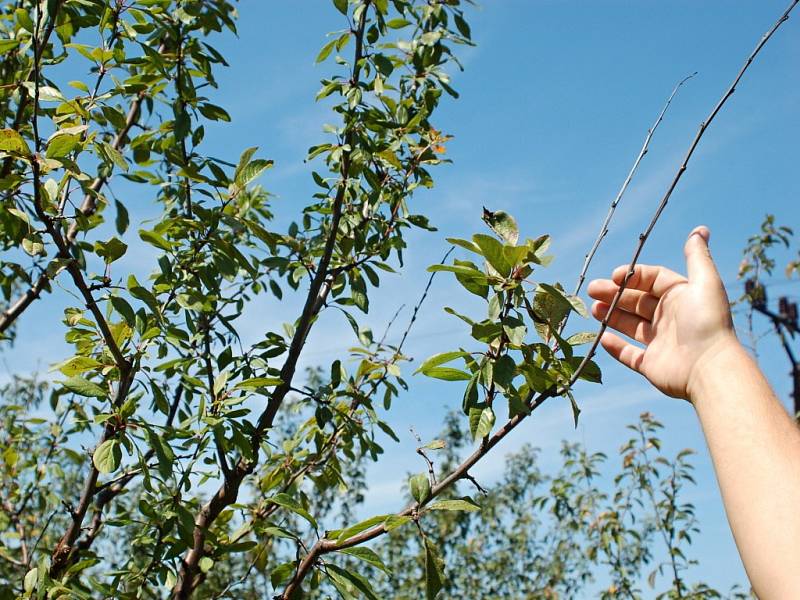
{"type": "Point", "coordinates": [351, 581]}
{"type": "Point", "coordinates": [122, 219]}
{"type": "Point", "coordinates": [30, 580]}
{"type": "Point", "coordinates": [470, 394]}
{"type": "Point", "coordinates": [504, 371]}
{"type": "Point", "coordinates": [585, 337]}
{"type": "Point", "coordinates": [368, 555]}
{"type": "Point", "coordinates": [108, 456]}
{"type": "Point", "coordinates": [61, 144]}
{"type": "Point", "coordinates": [474, 285]}
{"type": "Point", "coordinates": [420, 487]}
{"type": "Point", "coordinates": [84, 387]}
{"type": "Point", "coordinates": [115, 156]}
{"type": "Point", "coordinates": [341, 5]}
{"type": "Point", "coordinates": [33, 245]}
{"type": "Point", "coordinates": [286, 501]}
{"type": "Point", "coordinates": [466, 244]}
{"type": "Point", "coordinates": [205, 564]}
{"type": "Point", "coordinates": [257, 382]}
{"type": "Point", "coordinates": [326, 51]}
{"type": "Point", "coordinates": [434, 570]}
{"type": "Point", "coordinates": [576, 410]}
{"type": "Point", "coordinates": [591, 372]}
{"type": "Point", "coordinates": [359, 527]}
{"type": "Point", "coordinates": [152, 238]}
{"type": "Point", "coordinates": [7, 45]}
{"type": "Point", "coordinates": [464, 503]}
{"type": "Point", "coordinates": [481, 421]}
{"type": "Point", "coordinates": [493, 253]}
{"type": "Point", "coordinates": [440, 359]}
{"type": "Point", "coordinates": [252, 171]}
{"type": "Point", "coordinates": [435, 445]}
{"type": "Point", "coordinates": [49, 94]}
{"type": "Point", "coordinates": [111, 250]}
{"type": "Point", "coordinates": [464, 271]}
{"type": "Point", "coordinates": [395, 521]}
{"type": "Point", "coordinates": [515, 331]}
{"type": "Point", "coordinates": [214, 112]}
{"type": "Point", "coordinates": [447, 374]}
{"type": "Point", "coordinates": [11, 142]}
{"type": "Point", "coordinates": [77, 365]}
{"type": "Point", "coordinates": [397, 23]}
{"type": "Point", "coordinates": [503, 224]}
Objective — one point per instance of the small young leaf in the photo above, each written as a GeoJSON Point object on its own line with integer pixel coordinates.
{"type": "Point", "coordinates": [481, 421]}
{"type": "Point", "coordinates": [205, 564]}
{"type": "Point", "coordinates": [108, 456]}
{"type": "Point", "coordinates": [503, 224]}
{"type": "Point", "coordinates": [111, 250]}
{"type": "Point", "coordinates": [420, 487]}
{"type": "Point", "coordinates": [585, 337]}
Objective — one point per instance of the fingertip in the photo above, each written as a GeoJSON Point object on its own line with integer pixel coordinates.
{"type": "Point", "coordinates": [703, 231]}
{"type": "Point", "coordinates": [594, 287]}
{"type": "Point", "coordinates": [619, 274]}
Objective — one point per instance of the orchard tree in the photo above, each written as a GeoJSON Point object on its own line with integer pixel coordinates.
{"type": "Point", "coordinates": [171, 452]}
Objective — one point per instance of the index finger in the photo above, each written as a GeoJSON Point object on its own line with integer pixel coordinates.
{"type": "Point", "coordinates": [648, 278]}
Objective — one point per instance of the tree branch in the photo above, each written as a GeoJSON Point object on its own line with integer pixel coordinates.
{"type": "Point", "coordinates": [325, 546]}
{"type": "Point", "coordinates": [87, 209]}
{"type": "Point", "coordinates": [315, 299]}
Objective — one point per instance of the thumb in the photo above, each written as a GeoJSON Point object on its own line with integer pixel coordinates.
{"type": "Point", "coordinates": [699, 264]}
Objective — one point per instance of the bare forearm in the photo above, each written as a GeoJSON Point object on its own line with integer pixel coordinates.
{"type": "Point", "coordinates": [755, 447]}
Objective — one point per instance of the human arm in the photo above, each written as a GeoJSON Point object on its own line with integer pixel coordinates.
{"type": "Point", "coordinates": [691, 351]}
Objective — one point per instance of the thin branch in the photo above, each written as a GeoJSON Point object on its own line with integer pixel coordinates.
{"type": "Point", "coordinates": [663, 204]}
{"type": "Point", "coordinates": [87, 209]}
{"type": "Point", "coordinates": [421, 300]}
{"type": "Point", "coordinates": [24, 96]}
{"type": "Point", "coordinates": [315, 300]}
{"type": "Point", "coordinates": [325, 546]}
{"type": "Point", "coordinates": [611, 209]}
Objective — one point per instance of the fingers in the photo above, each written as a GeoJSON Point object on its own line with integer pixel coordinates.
{"type": "Point", "coordinates": [629, 355]}
{"type": "Point", "coordinates": [699, 264]}
{"type": "Point", "coordinates": [626, 323]}
{"type": "Point", "coordinates": [634, 301]}
{"type": "Point", "coordinates": [648, 278]}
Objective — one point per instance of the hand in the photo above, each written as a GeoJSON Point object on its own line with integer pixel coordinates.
{"type": "Point", "coordinates": [681, 322]}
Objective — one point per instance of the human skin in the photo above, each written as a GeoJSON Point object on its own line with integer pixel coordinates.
{"type": "Point", "coordinates": [688, 349]}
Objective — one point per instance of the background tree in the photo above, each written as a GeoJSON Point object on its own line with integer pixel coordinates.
{"type": "Point", "coordinates": [757, 264]}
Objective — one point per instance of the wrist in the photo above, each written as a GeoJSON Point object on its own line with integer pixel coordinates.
{"type": "Point", "coordinates": [714, 365]}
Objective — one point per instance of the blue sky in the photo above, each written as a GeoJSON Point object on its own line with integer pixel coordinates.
{"type": "Point", "coordinates": [555, 101]}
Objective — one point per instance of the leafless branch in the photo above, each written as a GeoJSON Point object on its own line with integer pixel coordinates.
{"type": "Point", "coordinates": [612, 209]}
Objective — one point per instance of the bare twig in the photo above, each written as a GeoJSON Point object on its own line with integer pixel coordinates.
{"type": "Point", "coordinates": [421, 300]}
{"type": "Point", "coordinates": [663, 204]}
{"type": "Point", "coordinates": [611, 209]}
